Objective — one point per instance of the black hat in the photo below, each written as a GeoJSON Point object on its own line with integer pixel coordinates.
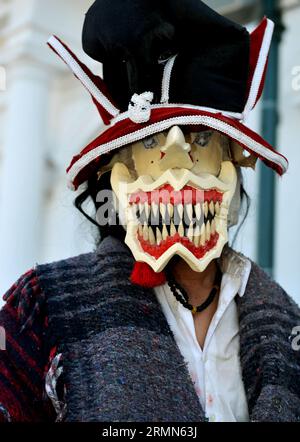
{"type": "Point", "coordinates": [133, 39]}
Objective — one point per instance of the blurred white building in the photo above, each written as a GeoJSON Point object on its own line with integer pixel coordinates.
{"type": "Point", "coordinates": [46, 117]}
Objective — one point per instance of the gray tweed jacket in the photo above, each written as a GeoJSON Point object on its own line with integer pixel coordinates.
{"type": "Point", "coordinates": [121, 361]}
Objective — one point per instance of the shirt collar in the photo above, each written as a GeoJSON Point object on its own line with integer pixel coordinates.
{"type": "Point", "coordinates": [237, 266]}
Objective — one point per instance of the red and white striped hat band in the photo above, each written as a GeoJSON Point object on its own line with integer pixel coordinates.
{"type": "Point", "coordinates": [144, 118]}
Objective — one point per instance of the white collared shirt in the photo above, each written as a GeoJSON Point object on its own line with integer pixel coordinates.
{"type": "Point", "coordinates": [215, 370]}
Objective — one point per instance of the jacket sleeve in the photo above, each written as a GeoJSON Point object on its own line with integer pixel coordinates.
{"type": "Point", "coordinates": [24, 353]}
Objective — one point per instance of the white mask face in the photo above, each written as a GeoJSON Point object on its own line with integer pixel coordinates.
{"type": "Point", "coordinates": [174, 193]}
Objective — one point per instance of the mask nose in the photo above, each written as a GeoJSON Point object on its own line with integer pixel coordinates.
{"type": "Point", "coordinates": [176, 151]}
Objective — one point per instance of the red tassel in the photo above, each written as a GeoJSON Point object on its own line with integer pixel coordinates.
{"type": "Point", "coordinates": [143, 275]}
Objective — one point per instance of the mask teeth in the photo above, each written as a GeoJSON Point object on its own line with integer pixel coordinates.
{"type": "Point", "coordinates": [196, 222]}
{"type": "Point", "coordinates": [158, 236]}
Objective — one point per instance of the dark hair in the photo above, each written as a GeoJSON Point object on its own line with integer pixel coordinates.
{"type": "Point", "coordinates": [245, 205]}
{"type": "Point", "coordinates": [94, 185]}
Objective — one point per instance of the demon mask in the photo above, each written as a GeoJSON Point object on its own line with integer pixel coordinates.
{"type": "Point", "coordinates": [174, 192]}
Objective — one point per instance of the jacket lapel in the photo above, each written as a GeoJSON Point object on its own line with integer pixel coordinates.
{"type": "Point", "coordinates": [269, 366]}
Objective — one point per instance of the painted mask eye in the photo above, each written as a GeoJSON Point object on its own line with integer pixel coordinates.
{"type": "Point", "coordinates": [150, 142]}
{"type": "Point", "coordinates": [202, 139]}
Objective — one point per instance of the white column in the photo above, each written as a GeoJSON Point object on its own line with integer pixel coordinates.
{"type": "Point", "coordinates": [22, 181]}
{"type": "Point", "coordinates": [287, 245]}
{"type": "Point", "coordinates": [247, 237]}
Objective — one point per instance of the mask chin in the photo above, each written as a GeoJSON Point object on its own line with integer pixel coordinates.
{"type": "Point", "coordinates": [158, 213]}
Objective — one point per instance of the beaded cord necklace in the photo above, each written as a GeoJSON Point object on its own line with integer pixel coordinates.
{"type": "Point", "coordinates": [182, 296]}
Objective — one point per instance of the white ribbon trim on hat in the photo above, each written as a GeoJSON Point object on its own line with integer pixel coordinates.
{"type": "Point", "coordinates": [83, 77]}
{"type": "Point", "coordinates": [160, 126]}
